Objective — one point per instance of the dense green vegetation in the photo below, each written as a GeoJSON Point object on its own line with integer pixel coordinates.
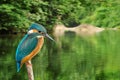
{"type": "Point", "coordinates": [88, 58]}
{"type": "Point", "coordinates": [78, 58]}
{"type": "Point", "coordinates": [19, 14]}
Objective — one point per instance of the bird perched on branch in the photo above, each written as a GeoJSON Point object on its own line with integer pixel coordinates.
{"type": "Point", "coordinates": [29, 46]}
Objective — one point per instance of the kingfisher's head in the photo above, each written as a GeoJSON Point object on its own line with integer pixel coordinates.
{"type": "Point", "coordinates": [37, 28]}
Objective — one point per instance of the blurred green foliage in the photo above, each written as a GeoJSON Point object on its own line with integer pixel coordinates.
{"type": "Point", "coordinates": [104, 14]}
{"type": "Point", "coordinates": [19, 14]}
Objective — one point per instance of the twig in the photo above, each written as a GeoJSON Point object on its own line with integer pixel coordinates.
{"type": "Point", "coordinates": [29, 70]}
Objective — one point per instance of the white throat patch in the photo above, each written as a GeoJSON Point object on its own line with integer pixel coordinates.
{"type": "Point", "coordinates": [39, 36]}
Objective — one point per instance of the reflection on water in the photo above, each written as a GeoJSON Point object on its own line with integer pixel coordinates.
{"type": "Point", "coordinates": [78, 58]}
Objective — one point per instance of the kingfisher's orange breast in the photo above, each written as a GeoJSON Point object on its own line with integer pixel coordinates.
{"type": "Point", "coordinates": [34, 52]}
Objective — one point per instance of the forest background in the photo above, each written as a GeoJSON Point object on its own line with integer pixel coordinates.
{"type": "Point", "coordinates": [17, 15]}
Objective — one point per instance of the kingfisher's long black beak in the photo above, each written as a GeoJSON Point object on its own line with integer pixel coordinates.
{"type": "Point", "coordinates": [49, 37]}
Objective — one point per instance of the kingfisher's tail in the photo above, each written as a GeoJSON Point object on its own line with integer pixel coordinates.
{"type": "Point", "coordinates": [18, 66]}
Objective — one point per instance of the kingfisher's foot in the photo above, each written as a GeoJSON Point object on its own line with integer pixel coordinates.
{"type": "Point", "coordinates": [28, 63]}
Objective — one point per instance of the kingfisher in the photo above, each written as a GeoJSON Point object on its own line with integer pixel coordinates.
{"type": "Point", "coordinates": [31, 44]}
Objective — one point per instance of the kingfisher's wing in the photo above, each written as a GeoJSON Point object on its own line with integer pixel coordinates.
{"type": "Point", "coordinates": [26, 46]}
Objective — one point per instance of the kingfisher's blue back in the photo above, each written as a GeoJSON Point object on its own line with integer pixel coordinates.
{"type": "Point", "coordinates": [26, 46]}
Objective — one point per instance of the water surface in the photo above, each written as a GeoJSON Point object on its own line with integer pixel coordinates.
{"type": "Point", "coordinates": [73, 58]}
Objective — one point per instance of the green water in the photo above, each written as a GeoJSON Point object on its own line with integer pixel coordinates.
{"type": "Point", "coordinates": [78, 58]}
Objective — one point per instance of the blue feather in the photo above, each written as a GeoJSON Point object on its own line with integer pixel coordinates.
{"type": "Point", "coordinates": [37, 27]}
{"type": "Point", "coordinates": [18, 66]}
{"type": "Point", "coordinates": [25, 47]}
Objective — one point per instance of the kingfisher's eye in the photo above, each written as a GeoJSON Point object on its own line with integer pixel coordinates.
{"type": "Point", "coordinates": [41, 32]}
